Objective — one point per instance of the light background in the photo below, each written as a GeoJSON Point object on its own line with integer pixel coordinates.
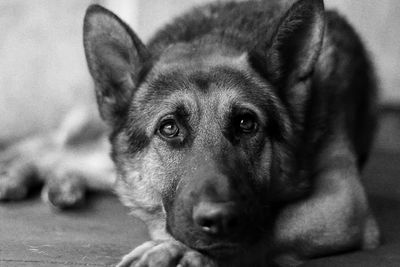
{"type": "Point", "coordinates": [43, 71]}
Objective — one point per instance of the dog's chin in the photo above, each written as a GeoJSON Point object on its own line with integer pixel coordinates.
{"type": "Point", "coordinates": [221, 250]}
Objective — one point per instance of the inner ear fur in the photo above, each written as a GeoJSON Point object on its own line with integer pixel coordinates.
{"type": "Point", "coordinates": [115, 57]}
{"type": "Point", "coordinates": [297, 42]}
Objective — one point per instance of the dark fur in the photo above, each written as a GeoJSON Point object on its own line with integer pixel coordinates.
{"type": "Point", "coordinates": [305, 76]}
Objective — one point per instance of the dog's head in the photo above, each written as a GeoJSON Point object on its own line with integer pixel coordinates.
{"type": "Point", "coordinates": [202, 132]}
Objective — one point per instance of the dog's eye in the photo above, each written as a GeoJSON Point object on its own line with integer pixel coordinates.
{"type": "Point", "coordinates": [247, 124]}
{"type": "Point", "coordinates": [169, 129]}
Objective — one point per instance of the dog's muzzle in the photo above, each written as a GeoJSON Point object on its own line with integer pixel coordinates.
{"type": "Point", "coordinates": [217, 214]}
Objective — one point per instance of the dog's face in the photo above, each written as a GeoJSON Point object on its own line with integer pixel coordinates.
{"type": "Point", "coordinates": [199, 134]}
{"type": "Point", "coordinates": [206, 124]}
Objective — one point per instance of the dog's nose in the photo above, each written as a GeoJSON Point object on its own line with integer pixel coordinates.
{"type": "Point", "coordinates": [216, 218]}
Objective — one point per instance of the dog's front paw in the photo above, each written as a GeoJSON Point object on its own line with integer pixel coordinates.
{"type": "Point", "coordinates": [22, 173]}
{"type": "Point", "coordinates": [165, 253]}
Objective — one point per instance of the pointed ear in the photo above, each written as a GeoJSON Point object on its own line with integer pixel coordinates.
{"type": "Point", "coordinates": [296, 43]}
{"type": "Point", "coordinates": [116, 57]}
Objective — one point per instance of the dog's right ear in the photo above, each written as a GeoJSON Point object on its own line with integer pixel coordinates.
{"type": "Point", "coordinates": [115, 57]}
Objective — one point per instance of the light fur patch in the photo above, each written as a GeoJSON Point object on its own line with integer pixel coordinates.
{"type": "Point", "coordinates": [200, 62]}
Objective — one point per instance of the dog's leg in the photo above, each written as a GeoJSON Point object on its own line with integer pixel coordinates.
{"type": "Point", "coordinates": [336, 216]}
{"type": "Point", "coordinates": [69, 161]}
{"type": "Point", "coordinates": [81, 168]}
{"type": "Point", "coordinates": [81, 161]}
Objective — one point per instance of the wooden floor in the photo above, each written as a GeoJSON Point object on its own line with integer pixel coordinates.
{"type": "Point", "coordinates": [98, 235]}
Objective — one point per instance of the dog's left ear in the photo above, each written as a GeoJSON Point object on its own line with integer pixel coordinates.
{"type": "Point", "coordinates": [297, 42]}
{"type": "Point", "coordinates": [115, 57]}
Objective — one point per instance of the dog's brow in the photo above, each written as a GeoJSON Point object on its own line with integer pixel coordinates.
{"type": "Point", "coordinates": [182, 102]}
{"type": "Point", "coordinates": [230, 99]}
{"type": "Point", "coordinates": [255, 109]}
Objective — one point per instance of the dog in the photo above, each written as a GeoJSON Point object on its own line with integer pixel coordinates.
{"type": "Point", "coordinates": [237, 134]}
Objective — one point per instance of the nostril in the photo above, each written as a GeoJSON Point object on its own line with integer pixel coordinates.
{"type": "Point", "coordinates": [214, 218]}
{"type": "Point", "coordinates": [209, 225]}
{"type": "Point", "coordinates": [208, 218]}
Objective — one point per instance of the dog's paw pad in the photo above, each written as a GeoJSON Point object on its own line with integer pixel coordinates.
{"type": "Point", "coordinates": [65, 192]}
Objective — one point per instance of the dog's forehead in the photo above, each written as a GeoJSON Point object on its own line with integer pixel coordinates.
{"type": "Point", "coordinates": [199, 57]}
{"type": "Point", "coordinates": [199, 68]}
{"type": "Point", "coordinates": [197, 79]}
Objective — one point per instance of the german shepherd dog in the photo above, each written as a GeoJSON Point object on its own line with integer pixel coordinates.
{"type": "Point", "coordinates": [238, 134]}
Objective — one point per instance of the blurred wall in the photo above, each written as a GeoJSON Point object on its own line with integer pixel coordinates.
{"type": "Point", "coordinates": [378, 22]}
{"type": "Point", "coordinates": [43, 71]}
{"type": "Point", "coordinates": [42, 67]}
